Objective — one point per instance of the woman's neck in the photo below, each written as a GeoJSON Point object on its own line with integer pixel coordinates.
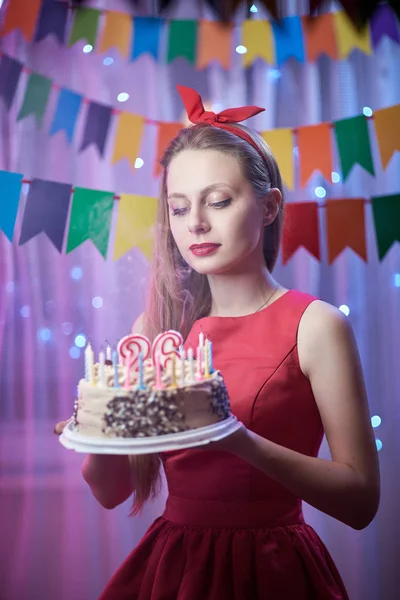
{"type": "Point", "coordinates": [235, 295]}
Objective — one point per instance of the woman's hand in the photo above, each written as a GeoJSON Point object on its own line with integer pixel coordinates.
{"type": "Point", "coordinates": [59, 427]}
{"type": "Point", "coordinates": [233, 443]}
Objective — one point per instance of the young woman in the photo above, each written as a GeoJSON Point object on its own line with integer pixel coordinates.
{"type": "Point", "coordinates": [233, 527]}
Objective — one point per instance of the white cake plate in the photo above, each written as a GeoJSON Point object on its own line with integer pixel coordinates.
{"type": "Point", "coordinates": [73, 440]}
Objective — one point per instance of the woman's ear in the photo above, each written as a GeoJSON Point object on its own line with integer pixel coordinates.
{"type": "Point", "coordinates": [272, 204]}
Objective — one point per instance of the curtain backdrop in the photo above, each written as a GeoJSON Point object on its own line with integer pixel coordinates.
{"type": "Point", "coordinates": [56, 541]}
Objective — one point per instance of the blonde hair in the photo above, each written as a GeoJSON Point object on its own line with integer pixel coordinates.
{"type": "Point", "coordinates": [178, 295]}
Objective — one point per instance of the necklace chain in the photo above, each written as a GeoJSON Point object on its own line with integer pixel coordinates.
{"type": "Point", "coordinates": [267, 300]}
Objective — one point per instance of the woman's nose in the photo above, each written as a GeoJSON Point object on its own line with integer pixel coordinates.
{"type": "Point", "coordinates": [197, 223]}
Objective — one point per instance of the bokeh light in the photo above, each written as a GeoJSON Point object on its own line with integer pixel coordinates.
{"type": "Point", "coordinates": [74, 352]}
{"type": "Point", "coordinates": [76, 273]}
{"type": "Point", "coordinates": [67, 328]}
{"type": "Point", "coordinates": [80, 340]}
{"type": "Point", "coordinates": [345, 309]}
{"type": "Point", "coordinates": [123, 97]}
{"type": "Point", "coordinates": [376, 421]}
{"type": "Point", "coordinates": [108, 61]}
{"type": "Point", "coordinates": [25, 312]}
{"type": "Point", "coordinates": [88, 48]}
{"type": "Point", "coordinates": [44, 334]}
{"type": "Point", "coordinates": [139, 162]}
{"type": "Point", "coordinates": [97, 302]}
{"type": "Point", "coordinates": [241, 49]}
{"type": "Point", "coordinates": [378, 445]}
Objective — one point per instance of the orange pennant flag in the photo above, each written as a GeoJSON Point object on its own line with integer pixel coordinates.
{"type": "Point", "coordinates": [258, 39]}
{"type": "Point", "coordinates": [319, 37]}
{"type": "Point", "coordinates": [348, 36]}
{"type": "Point", "coordinates": [281, 143]}
{"type": "Point", "coordinates": [117, 33]}
{"type": "Point", "coordinates": [387, 127]}
{"type": "Point", "coordinates": [315, 151]}
{"type": "Point", "coordinates": [128, 137]}
{"type": "Point", "coordinates": [22, 15]}
{"type": "Point", "coordinates": [300, 228]}
{"type": "Point", "coordinates": [345, 227]}
{"type": "Point", "coordinates": [166, 133]}
{"type": "Point", "coordinates": [214, 43]}
{"type": "Point", "coordinates": [135, 224]}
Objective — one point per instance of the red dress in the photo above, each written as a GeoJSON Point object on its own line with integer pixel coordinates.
{"type": "Point", "coordinates": [228, 531]}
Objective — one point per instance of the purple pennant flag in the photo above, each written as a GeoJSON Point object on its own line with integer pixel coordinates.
{"type": "Point", "coordinates": [383, 22]}
{"type": "Point", "coordinates": [52, 20]}
{"type": "Point", "coordinates": [46, 211]}
{"type": "Point", "coordinates": [10, 70]}
{"type": "Point", "coordinates": [98, 120]}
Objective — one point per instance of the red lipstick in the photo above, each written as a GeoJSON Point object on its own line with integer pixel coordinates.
{"type": "Point", "coordinates": [204, 249]}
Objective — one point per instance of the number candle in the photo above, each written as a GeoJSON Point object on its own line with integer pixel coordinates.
{"type": "Point", "coordinates": [191, 365]}
{"type": "Point", "coordinates": [102, 360]}
{"type": "Point", "coordinates": [115, 365]}
{"type": "Point", "coordinates": [182, 353]}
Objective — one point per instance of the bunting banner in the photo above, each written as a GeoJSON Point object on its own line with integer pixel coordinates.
{"type": "Point", "coordinates": [69, 217]}
{"type": "Point", "coordinates": [312, 146]}
{"type": "Point", "coordinates": [46, 211]}
{"type": "Point", "coordinates": [202, 42]}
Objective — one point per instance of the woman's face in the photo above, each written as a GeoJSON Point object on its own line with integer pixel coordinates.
{"type": "Point", "coordinates": [215, 218]}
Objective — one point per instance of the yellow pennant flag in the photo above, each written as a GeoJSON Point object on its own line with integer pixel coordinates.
{"type": "Point", "coordinates": [281, 143]}
{"type": "Point", "coordinates": [135, 223]}
{"type": "Point", "coordinates": [257, 37]}
{"type": "Point", "coordinates": [214, 43]}
{"type": "Point", "coordinates": [128, 137]}
{"type": "Point", "coordinates": [387, 127]}
{"type": "Point", "coordinates": [117, 33]}
{"type": "Point", "coordinates": [349, 37]}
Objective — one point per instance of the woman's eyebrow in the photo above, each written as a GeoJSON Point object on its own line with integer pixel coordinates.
{"type": "Point", "coordinates": [204, 192]}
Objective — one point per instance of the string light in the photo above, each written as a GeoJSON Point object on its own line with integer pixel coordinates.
{"type": "Point", "coordinates": [88, 48]}
{"type": "Point", "coordinates": [335, 177]}
{"type": "Point", "coordinates": [241, 49]}
{"type": "Point", "coordinates": [44, 334]}
{"type": "Point", "coordinates": [367, 111]}
{"type": "Point", "coordinates": [378, 445]}
{"type": "Point", "coordinates": [108, 61]}
{"type": "Point", "coordinates": [76, 273]}
{"type": "Point", "coordinates": [396, 280]}
{"type": "Point", "coordinates": [139, 162]}
{"type": "Point", "coordinates": [97, 302]}
{"type": "Point", "coordinates": [253, 8]}
{"type": "Point", "coordinates": [122, 97]}
{"type": "Point", "coordinates": [80, 341]}
{"type": "Point", "coordinates": [344, 309]}
{"type": "Point", "coordinates": [320, 192]}
{"type": "Point", "coordinates": [376, 421]}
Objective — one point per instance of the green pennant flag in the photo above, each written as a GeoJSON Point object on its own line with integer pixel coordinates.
{"type": "Point", "coordinates": [85, 26]}
{"type": "Point", "coordinates": [182, 40]}
{"type": "Point", "coordinates": [386, 211]}
{"type": "Point", "coordinates": [36, 95]}
{"type": "Point", "coordinates": [353, 143]}
{"type": "Point", "coordinates": [90, 219]}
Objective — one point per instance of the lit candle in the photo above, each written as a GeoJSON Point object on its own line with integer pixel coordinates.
{"type": "Point", "coordinates": [141, 385]}
{"type": "Point", "coordinates": [115, 365]}
{"type": "Point", "coordinates": [182, 355]}
{"type": "Point", "coordinates": [173, 371]}
{"type": "Point", "coordinates": [102, 360]}
{"type": "Point", "coordinates": [199, 356]}
{"type": "Point", "coordinates": [159, 385]}
{"type": "Point", "coordinates": [191, 365]}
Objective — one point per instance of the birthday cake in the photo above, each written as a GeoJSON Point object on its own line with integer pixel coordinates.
{"type": "Point", "coordinates": [145, 390]}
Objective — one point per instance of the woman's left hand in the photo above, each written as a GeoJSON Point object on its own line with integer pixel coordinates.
{"type": "Point", "coordinates": [233, 443]}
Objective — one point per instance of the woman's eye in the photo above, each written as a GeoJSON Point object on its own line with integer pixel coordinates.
{"type": "Point", "coordinates": [221, 204]}
{"type": "Point", "coordinates": [178, 211]}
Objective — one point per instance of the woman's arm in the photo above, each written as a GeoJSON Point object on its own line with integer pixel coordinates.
{"type": "Point", "coordinates": [346, 487]}
{"type": "Point", "coordinates": [110, 477]}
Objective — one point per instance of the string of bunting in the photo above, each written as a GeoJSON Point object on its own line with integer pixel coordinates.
{"type": "Point", "coordinates": [314, 144]}
{"type": "Point", "coordinates": [69, 217]}
{"type": "Point", "coordinates": [201, 42]}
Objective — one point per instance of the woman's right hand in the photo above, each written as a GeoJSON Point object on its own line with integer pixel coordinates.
{"type": "Point", "coordinates": [58, 429]}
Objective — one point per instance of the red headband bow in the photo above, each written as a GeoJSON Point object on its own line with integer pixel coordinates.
{"type": "Point", "coordinates": [196, 114]}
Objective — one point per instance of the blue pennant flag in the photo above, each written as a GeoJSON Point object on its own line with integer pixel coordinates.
{"type": "Point", "coordinates": [46, 211]}
{"type": "Point", "coordinates": [146, 36]}
{"type": "Point", "coordinates": [66, 114]}
{"type": "Point", "coordinates": [10, 190]}
{"type": "Point", "coordinates": [288, 36]}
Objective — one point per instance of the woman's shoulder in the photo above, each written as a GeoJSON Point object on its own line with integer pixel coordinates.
{"type": "Point", "coordinates": [320, 326]}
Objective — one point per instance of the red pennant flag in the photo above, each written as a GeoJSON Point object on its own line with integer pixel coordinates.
{"type": "Point", "coordinates": [345, 227]}
{"type": "Point", "coordinates": [22, 15]}
{"type": "Point", "coordinates": [300, 228]}
{"type": "Point", "coordinates": [166, 133]}
{"type": "Point", "coordinates": [315, 151]}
